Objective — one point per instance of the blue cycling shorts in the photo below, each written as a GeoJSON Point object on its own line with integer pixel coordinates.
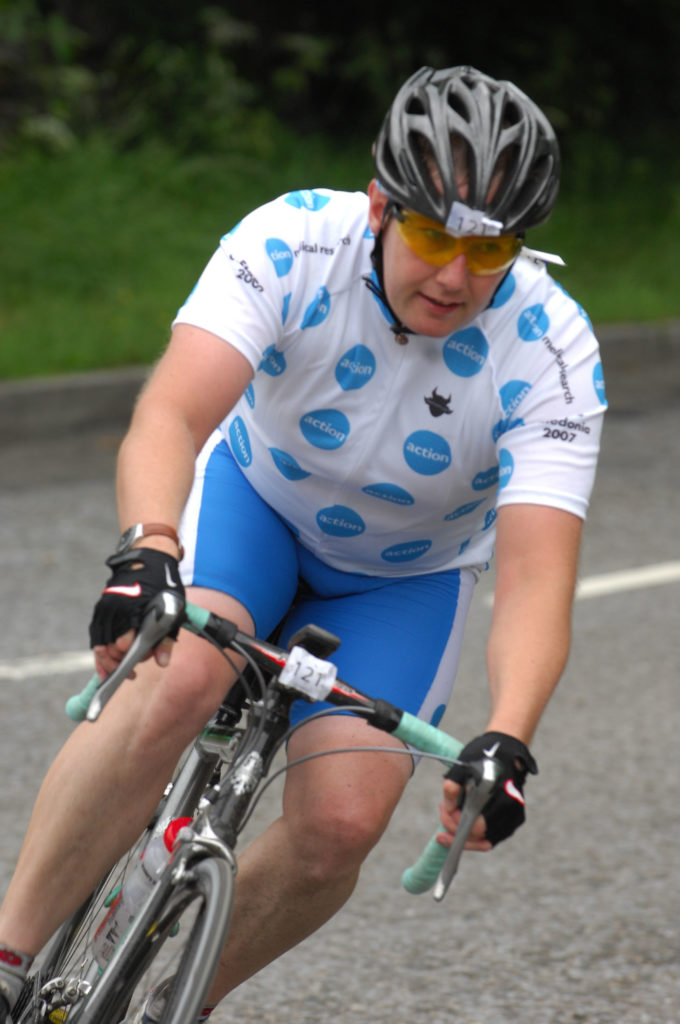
{"type": "Point", "coordinates": [401, 636]}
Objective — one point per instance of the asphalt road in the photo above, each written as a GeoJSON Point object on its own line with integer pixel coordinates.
{"type": "Point", "coordinates": [576, 920]}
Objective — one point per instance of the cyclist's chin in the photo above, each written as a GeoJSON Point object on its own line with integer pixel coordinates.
{"type": "Point", "coordinates": [435, 319]}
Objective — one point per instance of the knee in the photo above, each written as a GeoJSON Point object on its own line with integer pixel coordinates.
{"type": "Point", "coordinates": [187, 698]}
{"type": "Point", "coordinates": [334, 842]}
{"type": "Point", "coordinates": [172, 702]}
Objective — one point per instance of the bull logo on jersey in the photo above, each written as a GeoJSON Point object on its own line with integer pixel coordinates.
{"type": "Point", "coordinates": [437, 404]}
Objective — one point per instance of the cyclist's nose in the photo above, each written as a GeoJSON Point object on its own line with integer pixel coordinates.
{"type": "Point", "coordinates": [455, 273]}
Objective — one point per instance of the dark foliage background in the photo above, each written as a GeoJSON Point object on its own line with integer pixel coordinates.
{"type": "Point", "coordinates": [134, 132]}
{"type": "Point", "coordinates": [218, 76]}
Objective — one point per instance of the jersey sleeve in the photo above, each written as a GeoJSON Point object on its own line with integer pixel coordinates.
{"type": "Point", "coordinates": [241, 294]}
{"type": "Point", "coordinates": [553, 404]}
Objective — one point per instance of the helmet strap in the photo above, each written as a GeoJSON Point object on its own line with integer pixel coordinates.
{"type": "Point", "coordinates": [400, 330]}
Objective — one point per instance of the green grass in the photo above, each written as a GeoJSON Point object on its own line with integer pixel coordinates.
{"type": "Point", "coordinates": [621, 251]}
{"type": "Point", "coordinates": [98, 249]}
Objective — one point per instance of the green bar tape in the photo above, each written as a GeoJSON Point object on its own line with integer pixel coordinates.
{"type": "Point", "coordinates": [76, 706]}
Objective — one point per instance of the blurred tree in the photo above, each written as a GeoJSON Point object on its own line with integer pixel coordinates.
{"type": "Point", "coordinates": [206, 74]}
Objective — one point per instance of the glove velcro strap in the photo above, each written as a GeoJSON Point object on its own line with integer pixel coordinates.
{"type": "Point", "coordinates": [509, 747]}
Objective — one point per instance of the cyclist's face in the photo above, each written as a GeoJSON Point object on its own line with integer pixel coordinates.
{"type": "Point", "coordinates": [434, 301]}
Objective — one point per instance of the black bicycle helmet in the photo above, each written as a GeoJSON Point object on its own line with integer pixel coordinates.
{"type": "Point", "coordinates": [506, 142]}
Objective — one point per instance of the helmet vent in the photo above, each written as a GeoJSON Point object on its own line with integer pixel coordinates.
{"type": "Point", "coordinates": [512, 115]}
{"type": "Point", "coordinates": [458, 106]}
{"type": "Point", "coordinates": [415, 106]}
{"type": "Point", "coordinates": [538, 180]}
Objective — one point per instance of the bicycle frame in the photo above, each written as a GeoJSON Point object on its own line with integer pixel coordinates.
{"type": "Point", "coordinates": [437, 864]}
{"type": "Point", "coordinates": [219, 801]}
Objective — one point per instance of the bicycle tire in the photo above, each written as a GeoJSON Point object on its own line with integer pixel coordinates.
{"type": "Point", "coordinates": [69, 945]}
{"type": "Point", "coordinates": [138, 966]}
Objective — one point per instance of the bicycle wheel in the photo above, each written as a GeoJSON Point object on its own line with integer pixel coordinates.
{"type": "Point", "coordinates": [179, 936]}
{"type": "Point", "coordinates": [65, 969]}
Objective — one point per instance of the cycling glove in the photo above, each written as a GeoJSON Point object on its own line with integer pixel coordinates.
{"type": "Point", "coordinates": [137, 577]}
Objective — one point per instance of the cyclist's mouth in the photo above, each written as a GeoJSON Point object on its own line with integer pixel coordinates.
{"type": "Point", "coordinates": [438, 305]}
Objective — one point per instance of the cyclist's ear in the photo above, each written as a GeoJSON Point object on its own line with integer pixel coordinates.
{"type": "Point", "coordinates": [377, 201]}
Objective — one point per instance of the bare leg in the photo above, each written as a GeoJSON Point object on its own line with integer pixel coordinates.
{"type": "Point", "coordinates": [302, 869]}
{"type": "Point", "coordinates": [291, 879]}
{"type": "Point", "coordinates": [107, 780]}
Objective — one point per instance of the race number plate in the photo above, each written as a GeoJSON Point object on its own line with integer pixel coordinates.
{"type": "Point", "coordinates": [312, 676]}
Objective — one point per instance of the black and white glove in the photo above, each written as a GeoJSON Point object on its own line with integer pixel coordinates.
{"type": "Point", "coordinates": [137, 576]}
{"type": "Point", "coordinates": [504, 812]}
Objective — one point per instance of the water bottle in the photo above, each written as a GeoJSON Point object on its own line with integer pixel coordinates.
{"type": "Point", "coordinates": [136, 888]}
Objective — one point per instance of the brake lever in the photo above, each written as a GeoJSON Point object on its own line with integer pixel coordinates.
{"type": "Point", "coordinates": [477, 794]}
{"type": "Point", "coordinates": [164, 612]}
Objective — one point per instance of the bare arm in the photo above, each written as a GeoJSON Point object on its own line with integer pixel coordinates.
{"type": "Point", "coordinates": [536, 567]}
{"type": "Point", "coordinates": [195, 384]}
{"type": "Point", "coordinates": [193, 387]}
{"type": "Point", "coordinates": [537, 551]}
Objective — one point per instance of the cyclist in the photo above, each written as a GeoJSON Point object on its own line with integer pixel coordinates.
{"type": "Point", "coordinates": [362, 398]}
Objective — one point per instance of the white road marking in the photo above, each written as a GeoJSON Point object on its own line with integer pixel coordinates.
{"type": "Point", "coordinates": [47, 665]}
{"type": "Point", "coordinates": [656, 575]}
{"type": "Point", "coordinates": [629, 579]}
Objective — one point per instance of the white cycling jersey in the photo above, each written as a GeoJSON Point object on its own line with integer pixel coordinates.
{"type": "Point", "coordinates": [387, 458]}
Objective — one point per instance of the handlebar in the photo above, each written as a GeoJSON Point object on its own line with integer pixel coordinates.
{"type": "Point", "coordinates": [165, 610]}
{"type": "Point", "coordinates": [437, 864]}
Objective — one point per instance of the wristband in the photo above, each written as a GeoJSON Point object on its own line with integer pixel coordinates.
{"type": "Point", "coordinates": [140, 530]}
